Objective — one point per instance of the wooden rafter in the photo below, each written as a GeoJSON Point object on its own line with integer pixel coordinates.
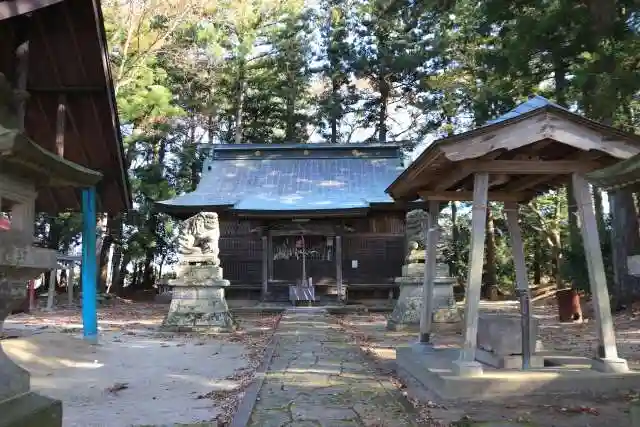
{"type": "Point", "coordinates": [534, 167]}
{"type": "Point", "coordinates": [461, 196]}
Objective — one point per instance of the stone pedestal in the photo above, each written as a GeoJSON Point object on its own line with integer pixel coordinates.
{"type": "Point", "coordinates": [197, 300]}
{"type": "Point", "coordinates": [406, 313]}
{"type": "Point", "coordinates": [500, 341]}
{"type": "Point", "coordinates": [18, 406]}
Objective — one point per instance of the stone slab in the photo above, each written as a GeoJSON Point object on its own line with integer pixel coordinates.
{"type": "Point", "coordinates": [434, 371]}
{"type": "Point", "coordinates": [502, 333]}
{"type": "Point", "coordinates": [507, 362]}
{"type": "Point", "coordinates": [199, 307]}
{"type": "Point", "coordinates": [417, 270]}
{"type": "Point", "coordinates": [319, 379]}
{"type": "Point", "coordinates": [406, 312]}
{"type": "Point", "coordinates": [31, 410]}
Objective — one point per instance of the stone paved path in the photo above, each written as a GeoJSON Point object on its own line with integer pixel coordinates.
{"type": "Point", "coordinates": [317, 379]}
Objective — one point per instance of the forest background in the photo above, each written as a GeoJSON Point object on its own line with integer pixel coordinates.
{"type": "Point", "coordinates": [192, 72]}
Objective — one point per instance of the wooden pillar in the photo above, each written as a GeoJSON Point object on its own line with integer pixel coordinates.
{"type": "Point", "coordinates": [431, 235]}
{"type": "Point", "coordinates": [61, 120]}
{"type": "Point", "coordinates": [522, 282]}
{"type": "Point", "coordinates": [339, 285]}
{"type": "Point", "coordinates": [52, 289]}
{"type": "Point", "coordinates": [89, 266]}
{"type": "Point", "coordinates": [607, 358]}
{"type": "Point", "coordinates": [270, 254]}
{"type": "Point", "coordinates": [70, 278]}
{"type": "Point", "coordinates": [466, 365]}
{"type": "Point", "coordinates": [265, 267]}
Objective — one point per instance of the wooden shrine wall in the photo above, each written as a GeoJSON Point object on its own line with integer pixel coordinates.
{"type": "Point", "coordinates": [241, 251]}
{"type": "Point", "coordinates": [376, 243]}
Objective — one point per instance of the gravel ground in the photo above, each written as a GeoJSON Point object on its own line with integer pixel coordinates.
{"type": "Point", "coordinates": [369, 332]}
{"type": "Point", "coordinates": [137, 375]}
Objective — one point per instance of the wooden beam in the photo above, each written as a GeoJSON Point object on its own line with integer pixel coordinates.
{"type": "Point", "coordinates": [521, 184]}
{"type": "Point", "coordinates": [461, 196]}
{"type": "Point", "coordinates": [458, 175]}
{"type": "Point", "coordinates": [11, 8]}
{"type": "Point", "coordinates": [462, 171]}
{"type": "Point", "coordinates": [527, 182]}
{"type": "Point", "coordinates": [535, 167]}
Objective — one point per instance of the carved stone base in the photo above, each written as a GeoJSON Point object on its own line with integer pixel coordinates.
{"type": "Point", "coordinates": [18, 406]}
{"type": "Point", "coordinates": [406, 313]}
{"type": "Point", "coordinates": [200, 307]}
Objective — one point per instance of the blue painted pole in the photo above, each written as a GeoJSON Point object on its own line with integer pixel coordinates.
{"type": "Point", "coordinates": [89, 267]}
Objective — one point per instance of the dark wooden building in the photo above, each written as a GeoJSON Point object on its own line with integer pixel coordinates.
{"type": "Point", "coordinates": [312, 212]}
{"type": "Point", "coordinates": [55, 50]}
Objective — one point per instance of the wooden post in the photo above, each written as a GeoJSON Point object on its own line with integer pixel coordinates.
{"type": "Point", "coordinates": [265, 267]}
{"type": "Point", "coordinates": [61, 120]}
{"type": "Point", "coordinates": [52, 289]}
{"type": "Point", "coordinates": [466, 365]}
{"type": "Point", "coordinates": [270, 254]}
{"type": "Point", "coordinates": [32, 295]}
{"type": "Point", "coordinates": [70, 284]}
{"type": "Point", "coordinates": [607, 358]}
{"type": "Point", "coordinates": [341, 293]}
{"type": "Point", "coordinates": [522, 282]}
{"type": "Point", "coordinates": [89, 266]}
{"type": "Point", "coordinates": [431, 236]}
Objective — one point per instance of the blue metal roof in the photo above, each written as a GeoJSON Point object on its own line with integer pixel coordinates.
{"type": "Point", "coordinates": [531, 104]}
{"type": "Point", "coordinates": [251, 178]}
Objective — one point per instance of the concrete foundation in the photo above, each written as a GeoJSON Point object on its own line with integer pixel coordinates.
{"type": "Point", "coordinates": [435, 369]}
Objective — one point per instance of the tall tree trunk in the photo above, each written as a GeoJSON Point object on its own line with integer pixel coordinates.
{"type": "Point", "coordinates": [385, 92]}
{"type": "Point", "coordinates": [455, 237]}
{"type": "Point", "coordinates": [597, 202]}
{"type": "Point", "coordinates": [335, 108]}
{"type": "Point", "coordinates": [240, 92]}
{"type": "Point", "coordinates": [103, 256]}
{"type": "Point", "coordinates": [122, 274]}
{"type": "Point", "coordinates": [537, 261]}
{"type": "Point", "coordinates": [490, 280]}
{"type": "Point", "coordinates": [196, 162]}
{"type": "Point", "coordinates": [624, 229]}
{"type": "Point", "coordinates": [152, 223]}
{"type": "Point", "coordinates": [292, 93]}
{"type": "Point", "coordinates": [115, 228]}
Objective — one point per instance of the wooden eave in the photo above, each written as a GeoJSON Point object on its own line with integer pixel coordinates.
{"type": "Point", "coordinates": [525, 155]}
{"type": "Point", "coordinates": [68, 64]}
{"type": "Point", "coordinates": [624, 174]}
{"type": "Point", "coordinates": [22, 157]}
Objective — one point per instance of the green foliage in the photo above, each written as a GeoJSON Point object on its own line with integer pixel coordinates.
{"type": "Point", "coordinates": [267, 71]}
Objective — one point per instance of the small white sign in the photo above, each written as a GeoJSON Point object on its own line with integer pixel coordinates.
{"type": "Point", "coordinates": [354, 263]}
{"type": "Point", "coordinates": [633, 265]}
